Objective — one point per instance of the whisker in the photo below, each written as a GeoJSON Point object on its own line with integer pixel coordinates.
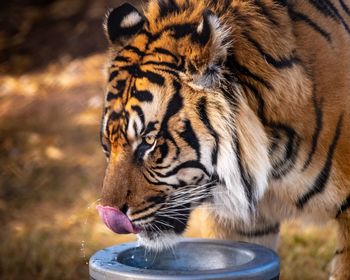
{"type": "Point", "coordinates": [176, 219]}
{"type": "Point", "coordinates": [163, 223]}
{"type": "Point", "coordinates": [93, 203]}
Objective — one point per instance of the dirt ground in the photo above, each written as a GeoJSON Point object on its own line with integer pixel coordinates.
{"type": "Point", "coordinates": [52, 56]}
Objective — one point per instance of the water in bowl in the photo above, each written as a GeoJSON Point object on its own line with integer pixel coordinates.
{"type": "Point", "coordinates": [186, 258]}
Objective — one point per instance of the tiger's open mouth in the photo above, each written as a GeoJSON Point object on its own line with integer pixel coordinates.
{"type": "Point", "coordinates": [116, 220]}
{"type": "Point", "coordinates": [159, 233]}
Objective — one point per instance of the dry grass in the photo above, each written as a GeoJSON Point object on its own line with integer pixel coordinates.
{"type": "Point", "coordinates": [51, 170]}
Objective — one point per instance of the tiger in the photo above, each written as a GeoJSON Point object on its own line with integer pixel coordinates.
{"type": "Point", "coordinates": [239, 105]}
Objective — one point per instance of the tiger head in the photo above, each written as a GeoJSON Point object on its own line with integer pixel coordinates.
{"type": "Point", "coordinates": [167, 129]}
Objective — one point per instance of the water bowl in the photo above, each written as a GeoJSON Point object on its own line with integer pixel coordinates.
{"type": "Point", "coordinates": [190, 259]}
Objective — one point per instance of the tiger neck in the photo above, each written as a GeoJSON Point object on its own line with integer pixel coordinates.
{"type": "Point", "coordinates": [274, 81]}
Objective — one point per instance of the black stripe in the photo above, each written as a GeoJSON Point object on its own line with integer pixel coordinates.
{"type": "Point", "coordinates": [297, 16]}
{"type": "Point", "coordinates": [123, 133]}
{"type": "Point", "coordinates": [150, 206]}
{"type": "Point", "coordinates": [181, 30]}
{"type": "Point", "coordinates": [168, 71]}
{"type": "Point", "coordinates": [159, 167]}
{"type": "Point", "coordinates": [202, 111]}
{"type": "Point", "coordinates": [272, 229]}
{"type": "Point", "coordinates": [338, 15]}
{"type": "Point", "coordinates": [139, 112]}
{"type": "Point", "coordinates": [151, 37]}
{"type": "Point", "coordinates": [142, 95]}
{"type": "Point", "coordinates": [236, 67]}
{"type": "Point", "coordinates": [149, 172]}
{"type": "Point", "coordinates": [276, 137]}
{"type": "Point", "coordinates": [246, 179]}
{"type": "Point", "coordinates": [135, 50]}
{"type": "Point", "coordinates": [120, 85]}
{"type": "Point", "coordinates": [157, 199]}
{"type": "Point", "coordinates": [143, 217]}
{"type": "Point", "coordinates": [164, 150]}
{"type": "Point", "coordinates": [111, 96]}
{"type": "Point", "coordinates": [284, 62]}
{"type": "Point", "coordinates": [158, 182]}
{"type": "Point", "coordinates": [112, 76]}
{"type": "Point", "coordinates": [344, 206]}
{"type": "Point", "coordinates": [285, 164]}
{"type": "Point", "coordinates": [328, 9]}
{"type": "Point", "coordinates": [114, 116]}
{"type": "Point", "coordinates": [282, 3]}
{"type": "Point", "coordinates": [151, 126]}
{"type": "Point", "coordinates": [167, 7]}
{"type": "Point", "coordinates": [135, 71]}
{"type": "Point", "coordinates": [345, 7]}
{"type": "Point", "coordinates": [174, 106]}
{"type": "Point", "coordinates": [190, 137]}
{"type": "Point", "coordinates": [154, 78]}
{"type": "Point", "coordinates": [121, 58]}
{"type": "Point", "coordinates": [184, 165]}
{"type": "Point", "coordinates": [265, 11]}
{"type": "Point", "coordinates": [166, 52]}
{"type": "Point", "coordinates": [322, 178]}
{"type": "Point", "coordinates": [135, 129]}
{"type": "Point", "coordinates": [162, 63]}
{"type": "Point", "coordinates": [317, 131]}
{"type": "Point", "coordinates": [324, 8]}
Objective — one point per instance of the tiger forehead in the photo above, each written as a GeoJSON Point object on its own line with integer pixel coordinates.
{"type": "Point", "coordinates": [143, 48]}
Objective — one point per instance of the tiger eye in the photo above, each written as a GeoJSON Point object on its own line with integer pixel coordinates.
{"type": "Point", "coordinates": [150, 139]}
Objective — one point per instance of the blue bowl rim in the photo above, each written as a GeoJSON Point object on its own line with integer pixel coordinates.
{"type": "Point", "coordinates": [266, 263]}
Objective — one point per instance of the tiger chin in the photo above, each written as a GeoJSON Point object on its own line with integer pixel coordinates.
{"type": "Point", "coordinates": [239, 105]}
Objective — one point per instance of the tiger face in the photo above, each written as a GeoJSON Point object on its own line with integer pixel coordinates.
{"type": "Point", "coordinates": [156, 131]}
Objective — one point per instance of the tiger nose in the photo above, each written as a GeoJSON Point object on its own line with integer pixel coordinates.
{"type": "Point", "coordinates": [116, 219]}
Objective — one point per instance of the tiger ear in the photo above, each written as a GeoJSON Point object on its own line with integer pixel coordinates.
{"type": "Point", "coordinates": [207, 50]}
{"type": "Point", "coordinates": [122, 23]}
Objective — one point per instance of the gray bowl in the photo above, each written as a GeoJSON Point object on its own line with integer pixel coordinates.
{"type": "Point", "coordinates": [190, 259]}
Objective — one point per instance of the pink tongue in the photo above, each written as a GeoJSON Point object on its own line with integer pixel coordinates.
{"type": "Point", "coordinates": [115, 219]}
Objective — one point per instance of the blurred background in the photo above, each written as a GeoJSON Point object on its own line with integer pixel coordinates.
{"type": "Point", "coordinates": [52, 56]}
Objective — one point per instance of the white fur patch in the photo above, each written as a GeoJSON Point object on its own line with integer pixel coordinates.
{"type": "Point", "coordinates": [200, 27]}
{"type": "Point", "coordinates": [104, 123]}
{"type": "Point", "coordinates": [230, 198]}
{"type": "Point", "coordinates": [162, 241]}
{"type": "Point", "coordinates": [131, 20]}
